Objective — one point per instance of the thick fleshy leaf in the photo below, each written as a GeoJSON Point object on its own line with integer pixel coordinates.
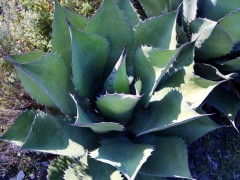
{"type": "Point", "coordinates": [150, 66]}
{"type": "Point", "coordinates": [61, 42]}
{"type": "Point", "coordinates": [117, 81]}
{"type": "Point", "coordinates": [228, 65]}
{"type": "Point", "coordinates": [191, 131]}
{"type": "Point", "coordinates": [95, 123]}
{"type": "Point", "coordinates": [207, 33]}
{"type": "Point", "coordinates": [51, 75]}
{"type": "Point", "coordinates": [226, 100]}
{"type": "Point", "coordinates": [27, 57]}
{"type": "Point", "coordinates": [29, 85]}
{"type": "Point", "coordinates": [19, 131]}
{"type": "Point", "coordinates": [102, 172]}
{"type": "Point", "coordinates": [157, 118]}
{"type": "Point", "coordinates": [67, 168]}
{"type": "Point", "coordinates": [190, 85]}
{"type": "Point", "coordinates": [228, 23]}
{"type": "Point", "coordinates": [124, 155]}
{"type": "Point", "coordinates": [110, 23]}
{"type": "Point", "coordinates": [141, 176]}
{"type": "Point", "coordinates": [182, 77]}
{"type": "Point", "coordinates": [117, 107]}
{"type": "Point", "coordinates": [169, 158]}
{"type": "Point", "coordinates": [217, 9]}
{"type": "Point", "coordinates": [155, 7]}
{"type": "Point", "coordinates": [158, 32]}
{"type": "Point", "coordinates": [129, 10]}
{"type": "Point", "coordinates": [189, 10]}
{"type": "Point", "coordinates": [89, 58]}
{"type": "Point", "coordinates": [58, 166]}
{"type": "Point", "coordinates": [209, 72]}
{"type": "Point", "coordinates": [54, 135]}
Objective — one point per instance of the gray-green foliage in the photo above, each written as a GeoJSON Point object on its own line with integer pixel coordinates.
{"type": "Point", "coordinates": [129, 97]}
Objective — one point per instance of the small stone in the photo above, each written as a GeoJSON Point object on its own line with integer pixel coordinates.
{"type": "Point", "coordinates": [20, 175]}
{"type": "Point", "coordinates": [32, 176]}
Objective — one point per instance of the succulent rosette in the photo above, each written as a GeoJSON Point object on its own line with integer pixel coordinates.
{"type": "Point", "coordinates": [125, 90]}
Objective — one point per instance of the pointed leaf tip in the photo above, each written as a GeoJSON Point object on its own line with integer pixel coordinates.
{"type": "Point", "coordinates": [117, 81]}
{"type": "Point", "coordinates": [127, 157]}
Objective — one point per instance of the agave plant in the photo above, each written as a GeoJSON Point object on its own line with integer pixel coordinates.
{"type": "Point", "coordinates": [128, 98]}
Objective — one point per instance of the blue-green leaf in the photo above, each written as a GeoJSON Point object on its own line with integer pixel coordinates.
{"type": "Point", "coordinates": [155, 7]}
{"type": "Point", "coordinates": [117, 81]}
{"type": "Point", "coordinates": [225, 100]}
{"type": "Point", "coordinates": [228, 65]}
{"type": "Point", "coordinates": [68, 168]}
{"type": "Point", "coordinates": [111, 23]}
{"type": "Point", "coordinates": [158, 32]}
{"type": "Point", "coordinates": [51, 75]}
{"type": "Point", "coordinates": [191, 131]}
{"type": "Point", "coordinates": [89, 58]}
{"type": "Point", "coordinates": [124, 155]}
{"type": "Point", "coordinates": [129, 10]}
{"type": "Point", "coordinates": [208, 44]}
{"type": "Point", "coordinates": [61, 42]}
{"type": "Point", "coordinates": [54, 135]}
{"type": "Point", "coordinates": [169, 159]}
{"type": "Point", "coordinates": [150, 66]}
{"type": "Point", "coordinates": [228, 23]}
{"type": "Point", "coordinates": [217, 9]}
{"type": "Point", "coordinates": [117, 107]}
{"type": "Point", "coordinates": [94, 122]}
{"type": "Point", "coordinates": [19, 131]}
{"type": "Point", "coordinates": [29, 85]}
{"type": "Point", "coordinates": [165, 111]}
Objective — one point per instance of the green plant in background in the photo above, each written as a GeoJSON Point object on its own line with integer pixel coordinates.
{"type": "Point", "coordinates": [126, 90]}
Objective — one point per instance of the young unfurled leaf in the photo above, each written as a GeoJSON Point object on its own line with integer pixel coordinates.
{"type": "Point", "coordinates": [117, 107]}
{"type": "Point", "coordinates": [93, 122]}
{"type": "Point", "coordinates": [117, 81]}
